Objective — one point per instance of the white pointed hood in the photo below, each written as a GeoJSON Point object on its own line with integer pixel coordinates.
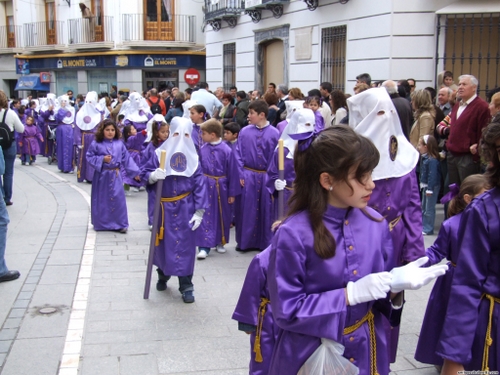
{"type": "Point", "coordinates": [302, 121]}
{"type": "Point", "coordinates": [88, 117]}
{"type": "Point", "coordinates": [182, 158]}
{"type": "Point", "coordinates": [137, 109]}
{"type": "Point", "coordinates": [373, 115]}
{"type": "Point", "coordinates": [50, 101]}
{"type": "Point", "coordinates": [65, 105]}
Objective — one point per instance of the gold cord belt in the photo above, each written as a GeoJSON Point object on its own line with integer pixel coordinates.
{"type": "Point", "coordinates": [369, 317]}
{"type": "Point", "coordinates": [258, 333]}
{"type": "Point", "coordinates": [289, 188]}
{"type": "Point", "coordinates": [254, 170]}
{"type": "Point", "coordinates": [488, 341]}
{"type": "Point", "coordinates": [217, 178]}
{"type": "Point", "coordinates": [112, 169]}
{"type": "Point", "coordinates": [159, 236]}
{"type": "Point", "coordinates": [394, 222]}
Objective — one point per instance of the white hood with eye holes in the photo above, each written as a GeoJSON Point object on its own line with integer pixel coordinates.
{"type": "Point", "coordinates": [373, 115]}
{"type": "Point", "coordinates": [301, 121]}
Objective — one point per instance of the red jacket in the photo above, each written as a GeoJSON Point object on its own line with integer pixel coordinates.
{"type": "Point", "coordinates": [466, 130]}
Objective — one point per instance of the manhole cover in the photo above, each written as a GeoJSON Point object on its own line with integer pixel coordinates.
{"type": "Point", "coordinates": [47, 310]}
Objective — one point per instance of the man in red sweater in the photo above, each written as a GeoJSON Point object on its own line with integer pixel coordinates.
{"type": "Point", "coordinates": [154, 99]}
{"type": "Point", "coordinates": [468, 117]}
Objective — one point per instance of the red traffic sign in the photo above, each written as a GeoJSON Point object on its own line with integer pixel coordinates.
{"type": "Point", "coordinates": [192, 76]}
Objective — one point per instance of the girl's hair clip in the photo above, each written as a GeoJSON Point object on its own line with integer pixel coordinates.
{"type": "Point", "coordinates": [454, 190]}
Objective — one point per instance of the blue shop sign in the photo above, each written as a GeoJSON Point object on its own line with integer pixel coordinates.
{"type": "Point", "coordinates": [116, 62]}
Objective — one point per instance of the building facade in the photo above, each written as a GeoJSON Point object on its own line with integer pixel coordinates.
{"type": "Point", "coordinates": [302, 43]}
{"type": "Point", "coordinates": [129, 45]}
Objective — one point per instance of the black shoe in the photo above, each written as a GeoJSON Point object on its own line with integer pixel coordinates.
{"type": "Point", "coordinates": [188, 297]}
{"type": "Point", "coordinates": [123, 230]}
{"type": "Point", "coordinates": [161, 285]}
{"type": "Point", "coordinates": [8, 203]}
{"type": "Point", "coordinates": [12, 275]}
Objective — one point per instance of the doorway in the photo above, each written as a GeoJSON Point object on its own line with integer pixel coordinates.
{"type": "Point", "coordinates": [273, 62]}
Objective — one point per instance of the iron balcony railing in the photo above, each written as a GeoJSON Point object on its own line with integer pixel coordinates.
{"type": "Point", "coordinates": [223, 8]}
{"type": "Point", "coordinates": [44, 33]}
{"type": "Point", "coordinates": [90, 30]}
{"type": "Point", "coordinates": [10, 37]}
{"type": "Point", "coordinates": [137, 27]}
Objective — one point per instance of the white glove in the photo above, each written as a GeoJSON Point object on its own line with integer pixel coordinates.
{"type": "Point", "coordinates": [369, 288]}
{"type": "Point", "coordinates": [157, 174]}
{"type": "Point", "coordinates": [279, 184]}
{"type": "Point", "coordinates": [412, 277]}
{"type": "Point", "coordinates": [196, 219]}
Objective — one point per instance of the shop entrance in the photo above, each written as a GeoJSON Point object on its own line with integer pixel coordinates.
{"type": "Point", "coordinates": [160, 80]}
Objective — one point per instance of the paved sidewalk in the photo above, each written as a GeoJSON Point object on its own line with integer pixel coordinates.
{"type": "Point", "coordinates": [95, 281]}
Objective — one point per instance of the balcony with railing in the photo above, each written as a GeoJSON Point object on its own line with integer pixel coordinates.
{"type": "Point", "coordinates": [10, 39]}
{"type": "Point", "coordinates": [45, 35]}
{"type": "Point", "coordinates": [91, 33]}
{"type": "Point", "coordinates": [254, 8]}
{"type": "Point", "coordinates": [137, 29]}
{"type": "Point", "coordinates": [227, 10]}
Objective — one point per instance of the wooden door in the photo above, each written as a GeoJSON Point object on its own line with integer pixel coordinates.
{"type": "Point", "coordinates": [273, 62]}
{"type": "Point", "coordinates": [50, 24]}
{"type": "Point", "coordinates": [158, 20]}
{"type": "Point", "coordinates": [99, 27]}
{"type": "Point", "coordinates": [11, 32]}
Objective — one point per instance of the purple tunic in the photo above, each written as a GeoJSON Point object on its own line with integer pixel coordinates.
{"type": "Point", "coordinates": [477, 272]}
{"type": "Point", "coordinates": [217, 161]}
{"type": "Point", "coordinates": [64, 142]}
{"type": "Point", "coordinates": [281, 126]}
{"type": "Point", "coordinates": [176, 253]}
{"type": "Point", "coordinates": [30, 139]}
{"type": "Point", "coordinates": [253, 153]}
{"type": "Point", "coordinates": [272, 176]}
{"type": "Point", "coordinates": [247, 311]}
{"type": "Point", "coordinates": [308, 292]}
{"type": "Point", "coordinates": [108, 205]}
{"type": "Point", "coordinates": [398, 200]}
{"type": "Point", "coordinates": [196, 136]}
{"type": "Point", "coordinates": [83, 140]}
{"type": "Point", "coordinates": [45, 126]}
{"type": "Point", "coordinates": [445, 246]}
{"type": "Point", "coordinates": [134, 144]}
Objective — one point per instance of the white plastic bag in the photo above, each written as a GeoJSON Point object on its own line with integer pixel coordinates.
{"type": "Point", "coordinates": [328, 360]}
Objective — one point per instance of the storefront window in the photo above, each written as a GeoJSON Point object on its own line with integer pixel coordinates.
{"type": "Point", "coordinates": [101, 80]}
{"type": "Point", "coordinates": [163, 80]}
{"type": "Point", "coordinates": [65, 81]}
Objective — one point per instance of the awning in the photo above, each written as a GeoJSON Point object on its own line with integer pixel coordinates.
{"type": "Point", "coordinates": [471, 7]}
{"type": "Point", "coordinates": [31, 83]}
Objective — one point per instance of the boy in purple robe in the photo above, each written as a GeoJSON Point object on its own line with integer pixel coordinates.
{"type": "Point", "coordinates": [253, 152]}
{"type": "Point", "coordinates": [445, 246]}
{"type": "Point", "coordinates": [396, 195]}
{"type": "Point", "coordinates": [134, 141]}
{"type": "Point", "coordinates": [65, 118]}
{"type": "Point", "coordinates": [330, 259]}
{"type": "Point", "coordinates": [87, 120]}
{"type": "Point", "coordinates": [48, 123]}
{"type": "Point", "coordinates": [107, 154]}
{"type": "Point", "coordinates": [28, 140]}
{"type": "Point", "coordinates": [183, 203]}
{"type": "Point", "coordinates": [223, 184]}
{"type": "Point", "coordinates": [254, 314]}
{"type": "Point", "coordinates": [231, 131]}
{"type": "Point", "coordinates": [470, 337]}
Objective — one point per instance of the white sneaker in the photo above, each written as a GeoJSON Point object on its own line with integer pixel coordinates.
{"type": "Point", "coordinates": [142, 188]}
{"type": "Point", "coordinates": [134, 189]}
{"type": "Point", "coordinates": [221, 249]}
{"type": "Point", "coordinates": [128, 193]}
{"type": "Point", "coordinates": [202, 254]}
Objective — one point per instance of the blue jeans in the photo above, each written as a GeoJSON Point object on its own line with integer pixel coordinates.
{"type": "Point", "coordinates": [4, 221]}
{"type": "Point", "coordinates": [429, 210]}
{"type": "Point", "coordinates": [8, 178]}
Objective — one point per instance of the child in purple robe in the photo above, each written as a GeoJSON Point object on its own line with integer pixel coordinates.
{"type": "Point", "coordinates": [134, 142]}
{"type": "Point", "coordinates": [445, 246]}
{"type": "Point", "coordinates": [30, 147]}
{"type": "Point", "coordinates": [198, 115]}
{"type": "Point", "coordinates": [231, 131]}
{"type": "Point", "coordinates": [223, 184]}
{"type": "Point", "coordinates": [107, 154]}
{"type": "Point", "coordinates": [253, 152]}
{"type": "Point", "coordinates": [330, 259]}
{"type": "Point", "coordinates": [314, 103]}
{"type": "Point", "coordinates": [65, 118]}
{"type": "Point", "coordinates": [160, 132]}
{"type": "Point", "coordinates": [48, 123]}
{"type": "Point", "coordinates": [470, 336]}
{"type": "Point", "coordinates": [183, 202]}
{"type": "Point", "coordinates": [254, 314]}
